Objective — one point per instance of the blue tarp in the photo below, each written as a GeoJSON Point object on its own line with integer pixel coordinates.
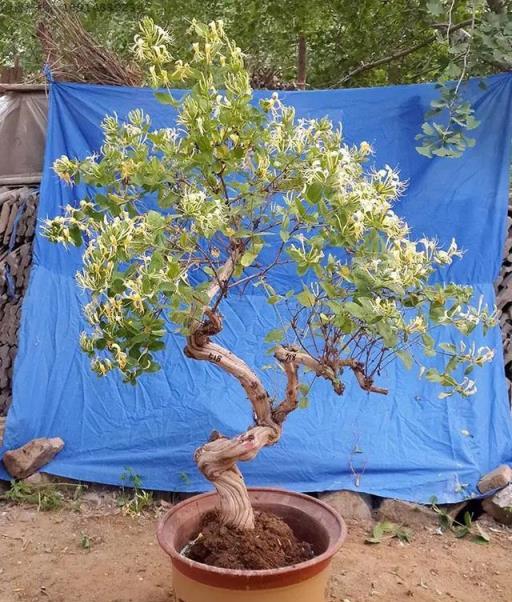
{"type": "Point", "coordinates": [408, 445]}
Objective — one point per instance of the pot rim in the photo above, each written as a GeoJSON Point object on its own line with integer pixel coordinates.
{"type": "Point", "coordinates": [309, 565]}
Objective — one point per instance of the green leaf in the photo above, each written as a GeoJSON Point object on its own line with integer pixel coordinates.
{"type": "Point", "coordinates": [76, 235]}
{"type": "Point", "coordinates": [306, 298]}
{"type": "Point", "coordinates": [433, 375]}
{"type": "Point", "coordinates": [248, 258]}
{"type": "Point", "coordinates": [276, 335]}
{"type": "Point", "coordinates": [165, 98]}
{"type": "Point", "coordinates": [314, 192]}
{"type": "Point", "coordinates": [461, 532]}
{"type": "Point", "coordinates": [452, 364]}
{"type": "Point", "coordinates": [273, 299]}
{"type": "Point", "coordinates": [155, 219]}
{"type": "Point", "coordinates": [355, 310]}
{"type": "Point", "coordinates": [406, 358]}
{"type": "Point", "coordinates": [435, 7]}
{"type": "Point", "coordinates": [153, 367]}
{"type": "Point", "coordinates": [427, 340]}
{"type": "Point", "coordinates": [481, 537]}
{"type": "Point", "coordinates": [448, 347]}
{"type": "Point", "coordinates": [157, 262]}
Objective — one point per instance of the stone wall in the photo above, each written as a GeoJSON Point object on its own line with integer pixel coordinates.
{"type": "Point", "coordinates": [17, 225]}
{"type": "Point", "coordinates": [504, 302]}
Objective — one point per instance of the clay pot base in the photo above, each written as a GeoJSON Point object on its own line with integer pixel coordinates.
{"type": "Point", "coordinates": [311, 590]}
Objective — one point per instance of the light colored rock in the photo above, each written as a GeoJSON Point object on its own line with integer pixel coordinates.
{"type": "Point", "coordinates": [26, 460]}
{"type": "Point", "coordinates": [350, 505]}
{"type": "Point", "coordinates": [499, 506]}
{"type": "Point", "coordinates": [2, 429]}
{"type": "Point", "coordinates": [38, 478]}
{"type": "Point", "coordinates": [405, 513]}
{"type": "Point", "coordinates": [496, 479]}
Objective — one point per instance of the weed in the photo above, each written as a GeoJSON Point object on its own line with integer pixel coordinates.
{"type": "Point", "coordinates": [387, 530]}
{"type": "Point", "coordinates": [136, 501]}
{"type": "Point", "coordinates": [46, 496]}
{"type": "Point", "coordinates": [85, 541]}
{"type": "Point", "coordinates": [460, 530]}
{"type": "Point", "coordinates": [76, 501]}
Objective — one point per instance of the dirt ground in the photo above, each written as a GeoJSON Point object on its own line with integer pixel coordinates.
{"type": "Point", "coordinates": [92, 552]}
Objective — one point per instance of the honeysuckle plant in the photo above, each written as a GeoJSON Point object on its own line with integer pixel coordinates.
{"type": "Point", "coordinates": [242, 191]}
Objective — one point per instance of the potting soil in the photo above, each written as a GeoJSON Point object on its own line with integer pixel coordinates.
{"type": "Point", "coordinates": [272, 544]}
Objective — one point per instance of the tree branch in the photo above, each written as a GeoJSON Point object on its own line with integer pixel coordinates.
{"type": "Point", "coordinates": [205, 350]}
{"type": "Point", "coordinates": [301, 62]}
{"type": "Point", "coordinates": [401, 53]}
{"type": "Point", "coordinates": [292, 354]}
{"type": "Point", "coordinates": [290, 401]}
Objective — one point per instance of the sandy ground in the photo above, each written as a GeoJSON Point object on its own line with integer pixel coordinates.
{"type": "Point", "coordinates": [95, 553]}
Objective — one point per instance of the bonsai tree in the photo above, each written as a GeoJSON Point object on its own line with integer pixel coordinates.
{"type": "Point", "coordinates": [242, 194]}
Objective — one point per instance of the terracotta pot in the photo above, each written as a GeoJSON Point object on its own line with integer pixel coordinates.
{"type": "Point", "coordinates": [311, 520]}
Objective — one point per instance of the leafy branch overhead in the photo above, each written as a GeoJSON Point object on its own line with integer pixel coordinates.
{"type": "Point", "coordinates": [288, 43]}
{"type": "Point", "coordinates": [477, 37]}
{"type": "Point", "coordinates": [243, 192]}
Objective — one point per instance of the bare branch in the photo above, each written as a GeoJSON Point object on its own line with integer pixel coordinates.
{"type": "Point", "coordinates": [291, 354]}
{"type": "Point", "coordinates": [400, 53]}
{"type": "Point", "coordinates": [290, 401]}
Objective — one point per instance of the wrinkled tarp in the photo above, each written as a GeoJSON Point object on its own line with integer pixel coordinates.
{"type": "Point", "coordinates": [408, 445]}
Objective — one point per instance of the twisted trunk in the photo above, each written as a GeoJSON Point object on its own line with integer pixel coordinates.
{"type": "Point", "coordinates": [217, 461]}
{"type": "Point", "coordinates": [218, 458]}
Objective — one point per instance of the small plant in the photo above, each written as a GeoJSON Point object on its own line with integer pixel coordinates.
{"type": "Point", "coordinates": [76, 502]}
{"type": "Point", "coordinates": [386, 530]}
{"type": "Point", "coordinates": [46, 496]}
{"type": "Point", "coordinates": [135, 502]}
{"type": "Point", "coordinates": [460, 530]}
{"type": "Point", "coordinates": [85, 541]}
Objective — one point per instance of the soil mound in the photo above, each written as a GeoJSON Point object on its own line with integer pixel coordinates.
{"type": "Point", "coordinates": [271, 545]}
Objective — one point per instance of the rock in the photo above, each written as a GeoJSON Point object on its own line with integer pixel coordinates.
{"type": "Point", "coordinates": [499, 506]}
{"type": "Point", "coordinates": [405, 513]}
{"type": "Point", "coordinates": [2, 429]}
{"type": "Point", "coordinates": [38, 478]}
{"type": "Point", "coordinates": [26, 460]}
{"type": "Point", "coordinates": [350, 505]}
{"type": "Point", "coordinates": [496, 479]}
{"type": "Point", "coordinates": [91, 497]}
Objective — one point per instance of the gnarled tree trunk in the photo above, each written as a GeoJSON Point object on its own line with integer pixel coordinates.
{"type": "Point", "coordinates": [218, 458]}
